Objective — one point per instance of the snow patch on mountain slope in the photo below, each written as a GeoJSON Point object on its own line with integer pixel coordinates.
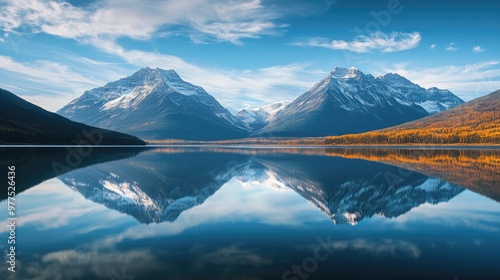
{"type": "Point", "coordinates": [261, 116]}
{"type": "Point", "coordinates": [129, 100]}
{"type": "Point", "coordinates": [129, 191]}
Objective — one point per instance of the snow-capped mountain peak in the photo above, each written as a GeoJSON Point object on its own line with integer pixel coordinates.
{"type": "Point", "coordinates": [343, 73]}
{"type": "Point", "coordinates": [169, 78]}
{"type": "Point", "coordinates": [348, 101]}
{"type": "Point", "coordinates": [130, 91]}
{"type": "Point", "coordinates": [155, 104]}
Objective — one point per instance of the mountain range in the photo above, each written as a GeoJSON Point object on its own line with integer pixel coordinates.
{"type": "Point", "coordinates": [158, 104]}
{"type": "Point", "coordinates": [22, 122]}
{"type": "Point", "coordinates": [477, 121]}
{"type": "Point", "coordinates": [348, 101]}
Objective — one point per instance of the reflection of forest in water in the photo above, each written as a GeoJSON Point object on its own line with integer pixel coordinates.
{"type": "Point", "coordinates": [477, 170]}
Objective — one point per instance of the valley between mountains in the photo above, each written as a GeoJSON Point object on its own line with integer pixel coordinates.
{"type": "Point", "coordinates": [345, 107]}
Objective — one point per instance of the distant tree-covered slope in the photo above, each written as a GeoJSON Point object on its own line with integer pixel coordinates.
{"type": "Point", "coordinates": [474, 122]}
{"type": "Point", "coordinates": [22, 122]}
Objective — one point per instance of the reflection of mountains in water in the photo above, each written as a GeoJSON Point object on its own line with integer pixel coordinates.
{"type": "Point", "coordinates": [157, 185]}
{"type": "Point", "coordinates": [35, 165]}
{"type": "Point", "coordinates": [349, 190]}
{"type": "Point", "coordinates": [154, 187]}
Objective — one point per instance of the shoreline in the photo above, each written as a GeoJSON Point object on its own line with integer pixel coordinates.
{"type": "Point", "coordinates": [309, 142]}
{"type": "Point", "coordinates": [152, 144]}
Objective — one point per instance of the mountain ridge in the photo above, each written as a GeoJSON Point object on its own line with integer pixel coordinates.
{"type": "Point", "coordinates": [476, 121]}
{"type": "Point", "coordinates": [348, 101]}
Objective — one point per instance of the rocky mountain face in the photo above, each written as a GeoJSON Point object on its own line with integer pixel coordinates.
{"type": "Point", "coordinates": [348, 101]}
{"type": "Point", "coordinates": [433, 100]}
{"type": "Point", "coordinates": [155, 104]}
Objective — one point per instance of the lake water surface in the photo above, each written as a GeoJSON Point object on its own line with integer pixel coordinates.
{"type": "Point", "coordinates": [254, 213]}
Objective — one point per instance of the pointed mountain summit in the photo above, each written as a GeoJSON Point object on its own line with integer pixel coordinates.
{"type": "Point", "coordinates": [349, 101]}
{"type": "Point", "coordinates": [343, 73]}
{"type": "Point", "coordinates": [155, 104]}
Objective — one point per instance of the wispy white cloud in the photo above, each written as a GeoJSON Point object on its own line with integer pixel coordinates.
{"type": "Point", "coordinates": [377, 41]}
{"type": "Point", "coordinates": [467, 81]}
{"type": "Point", "coordinates": [202, 20]}
{"type": "Point", "coordinates": [477, 49]}
{"type": "Point", "coordinates": [451, 47]}
{"type": "Point", "coordinates": [51, 72]}
{"type": "Point", "coordinates": [432, 46]}
{"type": "Point", "coordinates": [52, 85]}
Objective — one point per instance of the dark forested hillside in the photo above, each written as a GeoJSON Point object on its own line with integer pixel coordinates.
{"type": "Point", "coordinates": [22, 122]}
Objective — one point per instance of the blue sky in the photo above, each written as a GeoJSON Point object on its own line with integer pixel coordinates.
{"type": "Point", "coordinates": [246, 53]}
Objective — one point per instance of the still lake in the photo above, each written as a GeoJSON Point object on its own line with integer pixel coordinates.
{"type": "Point", "coordinates": [254, 213]}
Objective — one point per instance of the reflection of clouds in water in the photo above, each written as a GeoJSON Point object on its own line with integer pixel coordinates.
{"type": "Point", "coordinates": [231, 255]}
{"type": "Point", "coordinates": [53, 205]}
{"type": "Point", "coordinates": [478, 242]}
{"type": "Point", "coordinates": [377, 248]}
{"type": "Point", "coordinates": [468, 209]}
{"type": "Point", "coordinates": [107, 263]}
{"type": "Point", "coordinates": [385, 247]}
{"type": "Point", "coordinates": [72, 264]}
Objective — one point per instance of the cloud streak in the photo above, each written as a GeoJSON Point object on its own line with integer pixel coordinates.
{"type": "Point", "coordinates": [201, 20]}
{"type": "Point", "coordinates": [377, 41]}
{"type": "Point", "coordinates": [477, 49]}
{"type": "Point", "coordinates": [451, 47]}
{"type": "Point", "coordinates": [52, 85]}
